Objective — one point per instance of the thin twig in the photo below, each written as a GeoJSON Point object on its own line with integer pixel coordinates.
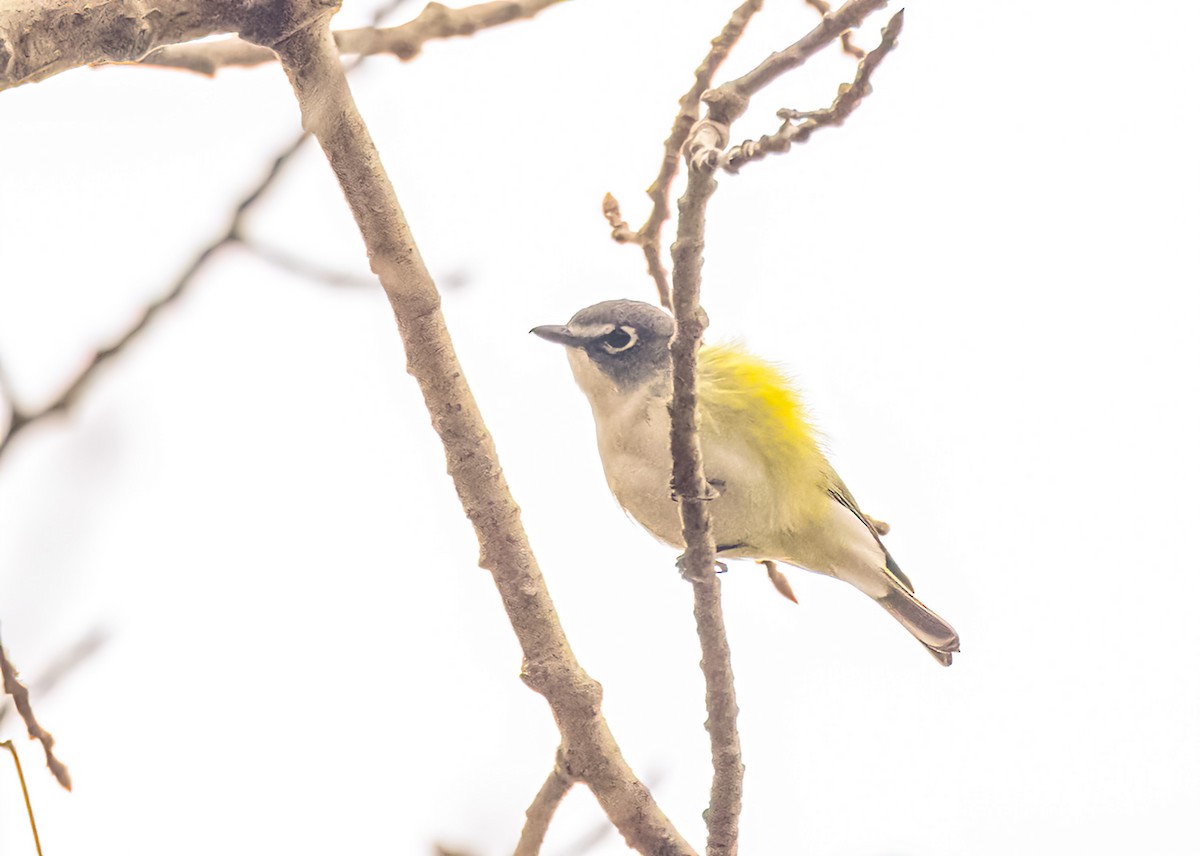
{"type": "Point", "coordinates": [37, 842]}
{"type": "Point", "coordinates": [541, 810]}
{"type": "Point", "coordinates": [20, 697]}
{"type": "Point", "coordinates": [310, 58]}
{"type": "Point", "coordinates": [728, 101]}
{"type": "Point", "coordinates": [649, 237]}
{"type": "Point", "coordinates": [621, 233]}
{"type": "Point", "coordinates": [404, 42]}
{"type": "Point", "coordinates": [849, 96]}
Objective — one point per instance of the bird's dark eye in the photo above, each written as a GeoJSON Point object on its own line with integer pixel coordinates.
{"type": "Point", "coordinates": [620, 339]}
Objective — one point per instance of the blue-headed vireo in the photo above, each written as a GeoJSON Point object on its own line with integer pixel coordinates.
{"type": "Point", "coordinates": [776, 496]}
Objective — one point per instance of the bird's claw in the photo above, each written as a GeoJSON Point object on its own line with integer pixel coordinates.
{"type": "Point", "coordinates": [712, 490]}
{"type": "Point", "coordinates": [720, 567]}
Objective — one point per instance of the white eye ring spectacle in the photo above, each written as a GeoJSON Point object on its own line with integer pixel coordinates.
{"type": "Point", "coordinates": [621, 339]}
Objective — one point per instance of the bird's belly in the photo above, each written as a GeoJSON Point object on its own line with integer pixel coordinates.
{"type": "Point", "coordinates": [637, 466]}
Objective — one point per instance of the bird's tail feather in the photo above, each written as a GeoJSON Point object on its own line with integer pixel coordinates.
{"type": "Point", "coordinates": [930, 629]}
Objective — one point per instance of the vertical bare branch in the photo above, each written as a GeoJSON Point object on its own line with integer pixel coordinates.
{"type": "Point", "coordinates": [20, 697]}
{"type": "Point", "coordinates": [690, 486]}
{"type": "Point", "coordinates": [310, 58]}
{"type": "Point", "coordinates": [703, 151]}
{"type": "Point", "coordinates": [541, 810]}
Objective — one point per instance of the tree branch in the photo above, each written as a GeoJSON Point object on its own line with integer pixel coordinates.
{"type": "Point", "coordinates": [311, 61]}
{"type": "Point", "coordinates": [850, 95]}
{"type": "Point", "coordinates": [435, 21]}
{"type": "Point", "coordinates": [20, 697]}
{"type": "Point", "coordinates": [92, 32]}
{"type": "Point", "coordinates": [541, 810]}
{"type": "Point", "coordinates": [649, 236]}
{"type": "Point", "coordinates": [38, 40]}
{"type": "Point", "coordinates": [728, 102]}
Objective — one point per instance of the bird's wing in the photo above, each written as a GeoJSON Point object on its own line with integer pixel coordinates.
{"type": "Point", "coordinates": [841, 494]}
{"type": "Point", "coordinates": [753, 422]}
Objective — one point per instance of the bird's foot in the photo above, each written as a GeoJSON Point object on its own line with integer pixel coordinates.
{"type": "Point", "coordinates": [719, 567]}
{"type": "Point", "coordinates": [712, 490]}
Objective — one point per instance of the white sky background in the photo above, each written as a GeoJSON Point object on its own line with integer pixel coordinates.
{"type": "Point", "coordinates": [986, 283]}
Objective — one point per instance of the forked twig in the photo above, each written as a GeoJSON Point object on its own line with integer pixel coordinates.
{"type": "Point", "coordinates": [850, 95]}
{"type": "Point", "coordinates": [728, 101]}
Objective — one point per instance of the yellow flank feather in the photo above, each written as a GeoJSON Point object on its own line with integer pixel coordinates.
{"type": "Point", "coordinates": [743, 397]}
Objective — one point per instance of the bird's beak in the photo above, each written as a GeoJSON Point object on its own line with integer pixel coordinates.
{"type": "Point", "coordinates": [559, 334]}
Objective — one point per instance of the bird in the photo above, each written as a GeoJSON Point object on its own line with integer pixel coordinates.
{"type": "Point", "coordinates": [775, 497]}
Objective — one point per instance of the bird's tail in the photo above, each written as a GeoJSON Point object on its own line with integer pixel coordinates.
{"type": "Point", "coordinates": [930, 629]}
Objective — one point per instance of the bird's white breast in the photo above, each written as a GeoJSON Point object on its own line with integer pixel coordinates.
{"type": "Point", "coordinates": [633, 435]}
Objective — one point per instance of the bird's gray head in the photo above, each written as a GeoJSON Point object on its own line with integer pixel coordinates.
{"type": "Point", "coordinates": [624, 340]}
